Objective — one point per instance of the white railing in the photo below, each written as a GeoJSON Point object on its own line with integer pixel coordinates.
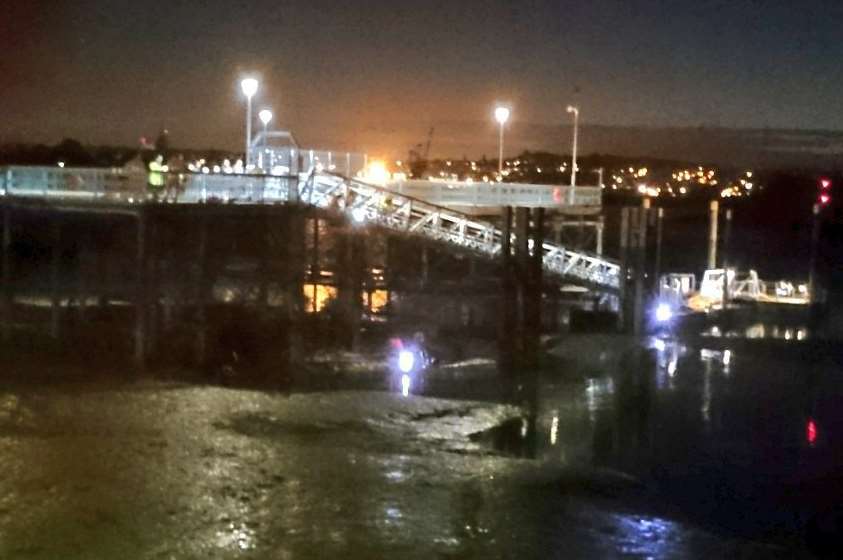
{"type": "Point", "coordinates": [364, 203]}
{"type": "Point", "coordinates": [474, 194]}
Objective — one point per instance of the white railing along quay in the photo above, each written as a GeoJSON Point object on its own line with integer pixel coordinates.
{"type": "Point", "coordinates": [485, 195]}
{"type": "Point", "coordinates": [364, 203]}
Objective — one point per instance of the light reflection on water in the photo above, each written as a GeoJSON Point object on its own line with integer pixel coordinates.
{"type": "Point", "coordinates": [760, 330]}
{"type": "Point", "coordinates": [691, 417]}
{"type": "Point", "coordinates": [237, 536]}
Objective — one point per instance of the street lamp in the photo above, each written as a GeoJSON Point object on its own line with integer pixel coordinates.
{"type": "Point", "coordinates": [501, 115]}
{"type": "Point", "coordinates": [576, 112]}
{"type": "Point", "coordinates": [250, 88]}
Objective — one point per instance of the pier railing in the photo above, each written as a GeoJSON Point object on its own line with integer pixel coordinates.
{"type": "Point", "coordinates": [364, 203]}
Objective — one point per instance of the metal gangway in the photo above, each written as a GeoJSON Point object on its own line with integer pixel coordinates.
{"type": "Point", "coordinates": [364, 203]}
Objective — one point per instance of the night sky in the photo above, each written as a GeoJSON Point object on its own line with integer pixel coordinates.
{"type": "Point", "coordinates": [111, 71]}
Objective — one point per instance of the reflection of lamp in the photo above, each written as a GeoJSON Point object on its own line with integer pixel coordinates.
{"type": "Point", "coordinates": [265, 116]}
{"type": "Point", "coordinates": [250, 88]}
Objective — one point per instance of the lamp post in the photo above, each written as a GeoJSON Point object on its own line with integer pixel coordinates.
{"type": "Point", "coordinates": [576, 112]}
{"type": "Point", "coordinates": [249, 86]}
{"type": "Point", "coordinates": [265, 117]}
{"type": "Point", "coordinates": [501, 115]}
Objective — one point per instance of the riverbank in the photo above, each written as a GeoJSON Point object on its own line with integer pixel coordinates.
{"type": "Point", "coordinates": [160, 470]}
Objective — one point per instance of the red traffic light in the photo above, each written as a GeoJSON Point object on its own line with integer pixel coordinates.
{"type": "Point", "coordinates": [825, 199]}
{"type": "Point", "coordinates": [825, 182]}
{"type": "Point", "coordinates": [811, 431]}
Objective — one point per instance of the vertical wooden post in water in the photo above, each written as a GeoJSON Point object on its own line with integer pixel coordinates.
{"type": "Point", "coordinates": [712, 234]}
{"type": "Point", "coordinates": [812, 263]}
{"type": "Point", "coordinates": [315, 272]}
{"type": "Point", "coordinates": [55, 278]}
{"type": "Point", "coordinates": [151, 291]}
{"type": "Point", "coordinates": [727, 233]}
{"type": "Point", "coordinates": [296, 255]}
{"type": "Point", "coordinates": [522, 278]}
{"type": "Point", "coordinates": [622, 287]}
{"type": "Point", "coordinates": [201, 284]}
{"type": "Point", "coordinates": [349, 287]}
{"type": "Point", "coordinates": [640, 267]}
{"type": "Point", "coordinates": [535, 288]}
{"type": "Point", "coordinates": [657, 268]}
{"type": "Point", "coordinates": [506, 324]}
{"type": "Point", "coordinates": [7, 294]}
{"type": "Point", "coordinates": [264, 248]}
{"type": "Point", "coordinates": [140, 291]}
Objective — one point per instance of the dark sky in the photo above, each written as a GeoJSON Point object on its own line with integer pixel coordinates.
{"type": "Point", "coordinates": [113, 70]}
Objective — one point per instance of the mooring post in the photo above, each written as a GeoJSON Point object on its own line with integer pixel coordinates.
{"type": "Point", "coordinates": [349, 284]}
{"type": "Point", "coordinates": [535, 288]}
{"type": "Point", "coordinates": [623, 302]}
{"type": "Point", "coordinates": [727, 232]}
{"type": "Point", "coordinates": [294, 297]}
{"type": "Point", "coordinates": [712, 234]}
{"type": "Point", "coordinates": [507, 316]}
{"type": "Point", "coordinates": [658, 258]}
{"type": "Point", "coordinates": [152, 287]}
{"type": "Point", "coordinates": [201, 283]}
{"type": "Point", "coordinates": [816, 225]}
{"type": "Point", "coordinates": [640, 267]}
{"type": "Point", "coordinates": [522, 279]}
{"type": "Point", "coordinates": [315, 272]}
{"type": "Point", "coordinates": [55, 276]}
{"type": "Point", "coordinates": [7, 294]}
{"type": "Point", "coordinates": [140, 291]}
{"type": "Point", "coordinates": [425, 267]}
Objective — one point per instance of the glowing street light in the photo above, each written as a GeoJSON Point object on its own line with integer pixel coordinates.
{"type": "Point", "coordinates": [576, 112]}
{"type": "Point", "coordinates": [249, 86]}
{"type": "Point", "coordinates": [501, 115]}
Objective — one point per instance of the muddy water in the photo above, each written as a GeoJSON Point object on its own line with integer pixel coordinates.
{"type": "Point", "coordinates": [743, 436]}
{"type": "Point", "coordinates": [154, 471]}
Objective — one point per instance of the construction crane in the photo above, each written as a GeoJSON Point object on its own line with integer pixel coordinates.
{"type": "Point", "coordinates": [418, 159]}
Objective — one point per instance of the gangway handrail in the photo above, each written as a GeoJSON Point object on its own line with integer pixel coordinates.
{"type": "Point", "coordinates": [440, 222]}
